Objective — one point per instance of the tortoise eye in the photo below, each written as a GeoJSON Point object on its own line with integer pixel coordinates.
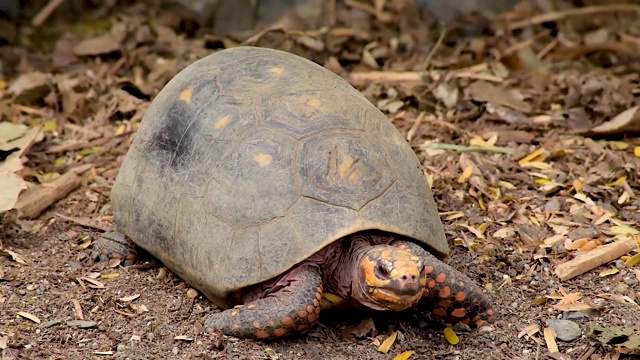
{"type": "Point", "coordinates": [382, 270]}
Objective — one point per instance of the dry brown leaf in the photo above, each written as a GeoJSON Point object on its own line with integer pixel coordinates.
{"type": "Point", "coordinates": [100, 45]}
{"type": "Point", "coordinates": [550, 339]}
{"type": "Point", "coordinates": [18, 258]}
{"type": "Point", "coordinates": [129, 298]}
{"type": "Point", "coordinates": [530, 330]}
{"type": "Point", "coordinates": [94, 283]}
{"type": "Point", "coordinates": [487, 92]}
{"type": "Point", "coordinates": [627, 121]}
{"type": "Point", "coordinates": [30, 87]}
{"type": "Point", "coordinates": [11, 185]}
{"type": "Point", "coordinates": [29, 316]}
{"type": "Point", "coordinates": [572, 307]}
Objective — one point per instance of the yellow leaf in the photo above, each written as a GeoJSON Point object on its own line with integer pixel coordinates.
{"type": "Point", "coordinates": [478, 141]}
{"type": "Point", "coordinates": [542, 181]}
{"type": "Point", "coordinates": [577, 184]}
{"type": "Point", "coordinates": [636, 151]}
{"type": "Point", "coordinates": [506, 185]}
{"type": "Point", "coordinates": [3, 84]}
{"type": "Point", "coordinates": [451, 336]}
{"type": "Point", "coordinates": [334, 299]}
{"type": "Point", "coordinates": [634, 260]}
{"type": "Point", "coordinates": [550, 339]}
{"type": "Point", "coordinates": [608, 272]}
{"type": "Point", "coordinates": [110, 276]}
{"type": "Point", "coordinates": [89, 151]}
{"type": "Point", "coordinates": [59, 162]}
{"type": "Point", "coordinates": [618, 145]}
{"type": "Point", "coordinates": [624, 230]}
{"type": "Point", "coordinates": [403, 355]}
{"type": "Point", "coordinates": [466, 174]}
{"type": "Point", "coordinates": [619, 180]}
{"type": "Point", "coordinates": [388, 343]}
{"type": "Point", "coordinates": [530, 157]}
{"type": "Point", "coordinates": [537, 165]}
{"type": "Point", "coordinates": [119, 130]}
{"type": "Point", "coordinates": [50, 125]}
{"type": "Point", "coordinates": [31, 317]}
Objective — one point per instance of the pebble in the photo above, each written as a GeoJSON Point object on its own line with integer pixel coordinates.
{"type": "Point", "coordinates": [566, 330]}
{"type": "Point", "coordinates": [573, 315]}
{"type": "Point", "coordinates": [120, 347]}
{"type": "Point", "coordinates": [620, 264]}
{"type": "Point", "coordinates": [175, 350]}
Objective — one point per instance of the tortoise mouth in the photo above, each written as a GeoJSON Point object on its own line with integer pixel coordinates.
{"type": "Point", "coordinates": [392, 300]}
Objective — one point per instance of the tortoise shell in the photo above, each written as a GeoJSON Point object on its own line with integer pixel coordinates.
{"type": "Point", "coordinates": [251, 159]}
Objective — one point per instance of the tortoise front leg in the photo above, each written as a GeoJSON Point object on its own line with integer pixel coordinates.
{"type": "Point", "coordinates": [450, 294]}
{"type": "Point", "coordinates": [114, 245]}
{"type": "Point", "coordinates": [292, 307]}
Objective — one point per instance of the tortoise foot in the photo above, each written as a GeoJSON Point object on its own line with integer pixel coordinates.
{"type": "Point", "coordinates": [114, 245]}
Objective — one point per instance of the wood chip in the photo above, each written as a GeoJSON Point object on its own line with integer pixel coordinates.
{"type": "Point", "coordinates": [592, 259]}
{"type": "Point", "coordinates": [29, 316]}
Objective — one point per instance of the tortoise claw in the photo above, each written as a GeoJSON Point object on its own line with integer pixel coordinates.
{"type": "Point", "coordinates": [114, 245]}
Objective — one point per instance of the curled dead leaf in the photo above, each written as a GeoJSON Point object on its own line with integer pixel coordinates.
{"type": "Point", "coordinates": [627, 121]}
{"type": "Point", "coordinates": [29, 316]}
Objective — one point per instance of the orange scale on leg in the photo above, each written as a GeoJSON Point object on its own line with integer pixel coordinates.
{"type": "Point", "coordinates": [440, 312]}
{"type": "Point", "coordinates": [310, 309]}
{"type": "Point", "coordinates": [461, 296]}
{"type": "Point", "coordinates": [311, 318]}
{"type": "Point", "coordinates": [256, 324]}
{"type": "Point", "coordinates": [286, 321]}
{"type": "Point", "coordinates": [442, 277]}
{"type": "Point", "coordinates": [445, 292]}
{"type": "Point", "coordinates": [303, 314]}
{"type": "Point", "coordinates": [459, 312]}
{"type": "Point", "coordinates": [262, 334]}
{"type": "Point", "coordinates": [431, 284]}
{"type": "Point", "coordinates": [280, 332]}
{"type": "Point", "coordinates": [428, 270]}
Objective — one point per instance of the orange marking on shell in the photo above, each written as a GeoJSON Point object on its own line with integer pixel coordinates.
{"type": "Point", "coordinates": [234, 312]}
{"type": "Point", "coordinates": [459, 312]}
{"type": "Point", "coordinates": [221, 122]}
{"type": "Point", "coordinates": [302, 314]}
{"type": "Point", "coordinates": [440, 312]}
{"type": "Point", "coordinates": [311, 318]}
{"type": "Point", "coordinates": [185, 95]}
{"type": "Point", "coordinates": [277, 70]}
{"type": "Point", "coordinates": [236, 327]}
{"type": "Point", "coordinates": [442, 277]}
{"type": "Point", "coordinates": [429, 270]}
{"type": "Point", "coordinates": [256, 324]}
{"type": "Point", "coordinates": [262, 334]}
{"type": "Point", "coordinates": [309, 309]}
{"type": "Point", "coordinates": [280, 332]}
{"type": "Point", "coordinates": [286, 321]}
{"type": "Point", "coordinates": [431, 284]}
{"type": "Point", "coordinates": [461, 296]}
{"type": "Point", "coordinates": [445, 292]}
{"type": "Point", "coordinates": [251, 306]}
{"type": "Point", "coordinates": [263, 159]}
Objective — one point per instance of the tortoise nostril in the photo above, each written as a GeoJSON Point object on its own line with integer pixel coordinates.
{"type": "Point", "coordinates": [404, 277]}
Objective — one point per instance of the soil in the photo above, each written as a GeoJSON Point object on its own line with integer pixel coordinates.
{"type": "Point", "coordinates": [504, 117]}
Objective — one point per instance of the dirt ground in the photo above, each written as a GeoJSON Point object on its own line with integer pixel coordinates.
{"type": "Point", "coordinates": [518, 118]}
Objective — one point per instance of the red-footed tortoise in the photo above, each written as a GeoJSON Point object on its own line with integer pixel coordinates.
{"type": "Point", "coordinates": [264, 180]}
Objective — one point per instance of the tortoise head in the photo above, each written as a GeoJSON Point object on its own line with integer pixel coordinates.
{"type": "Point", "coordinates": [389, 278]}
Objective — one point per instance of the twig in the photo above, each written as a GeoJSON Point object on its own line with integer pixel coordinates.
{"type": "Point", "coordinates": [592, 259]}
{"type": "Point", "coordinates": [427, 60]}
{"type": "Point", "coordinates": [46, 11]}
{"type": "Point", "coordinates": [559, 15]}
{"type": "Point", "coordinates": [83, 222]}
{"type": "Point", "coordinates": [464, 148]}
{"type": "Point", "coordinates": [414, 127]}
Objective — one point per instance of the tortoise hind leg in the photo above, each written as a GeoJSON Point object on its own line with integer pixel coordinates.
{"type": "Point", "coordinates": [114, 245]}
{"type": "Point", "coordinates": [450, 294]}
{"type": "Point", "coordinates": [290, 306]}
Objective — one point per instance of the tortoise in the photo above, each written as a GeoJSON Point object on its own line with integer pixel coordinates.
{"type": "Point", "coordinates": [266, 181]}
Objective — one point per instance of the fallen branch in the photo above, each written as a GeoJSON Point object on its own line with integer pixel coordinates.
{"type": "Point", "coordinates": [46, 11]}
{"type": "Point", "coordinates": [464, 148]}
{"type": "Point", "coordinates": [559, 15]}
{"type": "Point", "coordinates": [592, 259]}
{"type": "Point", "coordinates": [37, 198]}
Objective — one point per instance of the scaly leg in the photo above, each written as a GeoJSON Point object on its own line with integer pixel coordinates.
{"type": "Point", "coordinates": [450, 294]}
{"type": "Point", "coordinates": [290, 306]}
{"type": "Point", "coordinates": [114, 245]}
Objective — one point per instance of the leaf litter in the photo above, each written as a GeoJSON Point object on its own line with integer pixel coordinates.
{"type": "Point", "coordinates": [522, 152]}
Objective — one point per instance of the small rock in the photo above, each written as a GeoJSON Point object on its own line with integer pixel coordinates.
{"type": "Point", "coordinates": [83, 324]}
{"type": "Point", "coordinates": [120, 347]}
{"type": "Point", "coordinates": [566, 330]}
{"type": "Point", "coordinates": [461, 328]}
{"type": "Point", "coordinates": [175, 350]}
{"type": "Point", "coordinates": [192, 293]}
{"type": "Point", "coordinates": [620, 264]}
{"type": "Point", "coordinates": [50, 323]}
{"type": "Point", "coordinates": [573, 315]}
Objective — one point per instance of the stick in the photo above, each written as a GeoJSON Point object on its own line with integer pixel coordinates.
{"type": "Point", "coordinates": [559, 15]}
{"type": "Point", "coordinates": [594, 258]}
{"type": "Point", "coordinates": [34, 200]}
{"type": "Point", "coordinates": [46, 11]}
